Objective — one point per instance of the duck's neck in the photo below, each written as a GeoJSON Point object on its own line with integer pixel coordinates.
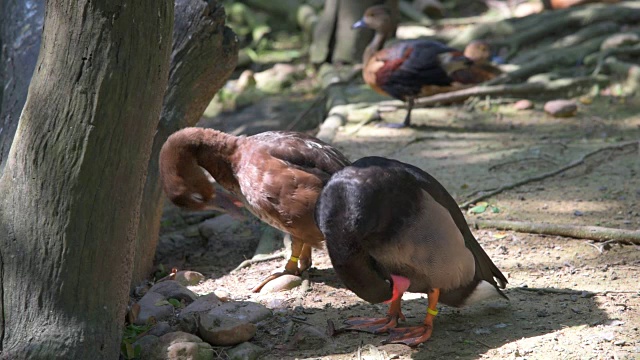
{"type": "Point", "coordinates": [211, 149]}
{"type": "Point", "coordinates": [376, 44]}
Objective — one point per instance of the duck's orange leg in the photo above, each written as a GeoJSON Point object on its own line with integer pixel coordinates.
{"type": "Point", "coordinates": [290, 268]}
{"type": "Point", "coordinates": [305, 258]}
{"type": "Point", "coordinates": [416, 335]}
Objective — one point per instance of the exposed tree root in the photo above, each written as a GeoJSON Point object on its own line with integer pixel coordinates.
{"type": "Point", "coordinates": [543, 176]}
{"type": "Point", "coordinates": [526, 89]}
{"type": "Point", "coordinates": [583, 293]}
{"type": "Point", "coordinates": [258, 259]}
{"type": "Point", "coordinates": [596, 233]}
{"type": "Point", "coordinates": [516, 32]}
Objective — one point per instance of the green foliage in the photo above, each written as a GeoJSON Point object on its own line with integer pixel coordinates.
{"type": "Point", "coordinates": [482, 207]}
{"type": "Point", "coordinates": [129, 336]}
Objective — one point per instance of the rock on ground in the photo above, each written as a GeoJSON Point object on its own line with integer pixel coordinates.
{"type": "Point", "coordinates": [282, 283]}
{"type": "Point", "coordinates": [179, 346]}
{"type": "Point", "coordinates": [245, 351]}
{"type": "Point", "coordinates": [243, 310]}
{"type": "Point", "coordinates": [173, 289]}
{"type": "Point", "coordinates": [222, 330]}
{"type": "Point", "coordinates": [189, 278]}
{"type": "Point", "coordinates": [561, 108]}
{"type": "Point", "coordinates": [153, 305]}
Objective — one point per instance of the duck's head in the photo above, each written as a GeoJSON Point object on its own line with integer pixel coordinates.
{"type": "Point", "coordinates": [377, 18]}
{"type": "Point", "coordinates": [478, 51]}
{"type": "Point", "coordinates": [185, 182]}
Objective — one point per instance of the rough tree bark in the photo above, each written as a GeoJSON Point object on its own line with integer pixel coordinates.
{"type": "Point", "coordinates": [205, 52]}
{"type": "Point", "coordinates": [20, 33]}
{"type": "Point", "coordinates": [71, 189]}
{"type": "Point", "coordinates": [333, 39]}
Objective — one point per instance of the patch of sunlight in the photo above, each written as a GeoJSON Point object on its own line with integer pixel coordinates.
{"type": "Point", "coordinates": [561, 207]}
{"type": "Point", "coordinates": [413, 31]}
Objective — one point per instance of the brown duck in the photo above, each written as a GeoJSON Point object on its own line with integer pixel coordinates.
{"type": "Point", "coordinates": [410, 69]}
{"type": "Point", "coordinates": [391, 227]}
{"type": "Point", "coordinates": [277, 175]}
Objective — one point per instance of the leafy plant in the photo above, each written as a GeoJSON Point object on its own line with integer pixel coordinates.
{"type": "Point", "coordinates": [129, 336]}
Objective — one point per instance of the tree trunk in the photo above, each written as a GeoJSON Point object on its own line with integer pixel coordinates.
{"type": "Point", "coordinates": [333, 39]}
{"type": "Point", "coordinates": [71, 190]}
{"type": "Point", "coordinates": [205, 52]}
{"type": "Point", "coordinates": [20, 32]}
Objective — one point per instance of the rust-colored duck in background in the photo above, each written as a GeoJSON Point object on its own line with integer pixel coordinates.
{"type": "Point", "coordinates": [277, 175]}
{"type": "Point", "coordinates": [391, 227]}
{"type": "Point", "coordinates": [409, 69]}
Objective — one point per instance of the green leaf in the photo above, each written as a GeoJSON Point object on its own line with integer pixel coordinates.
{"type": "Point", "coordinates": [494, 209]}
{"type": "Point", "coordinates": [478, 209]}
{"type": "Point", "coordinates": [175, 302]}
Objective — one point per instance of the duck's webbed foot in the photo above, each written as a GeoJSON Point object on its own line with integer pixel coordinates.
{"type": "Point", "coordinates": [373, 325]}
{"type": "Point", "coordinates": [411, 336]}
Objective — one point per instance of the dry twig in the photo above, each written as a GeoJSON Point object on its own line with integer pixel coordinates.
{"type": "Point", "coordinates": [532, 88]}
{"type": "Point", "coordinates": [259, 259]}
{"type": "Point", "coordinates": [583, 293]}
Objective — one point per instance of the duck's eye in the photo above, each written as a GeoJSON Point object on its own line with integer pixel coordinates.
{"type": "Point", "coordinates": [197, 197]}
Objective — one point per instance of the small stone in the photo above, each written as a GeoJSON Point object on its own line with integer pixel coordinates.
{"type": "Point", "coordinates": [202, 304]}
{"type": "Point", "coordinates": [142, 289]}
{"type": "Point", "coordinates": [620, 343]}
{"type": "Point", "coordinates": [500, 326]}
{"type": "Point", "coordinates": [527, 8]}
{"type": "Point", "coordinates": [523, 105]}
{"type": "Point", "coordinates": [223, 295]}
{"type": "Point", "coordinates": [146, 343]}
{"type": "Point", "coordinates": [561, 108]}
{"type": "Point", "coordinates": [282, 283]}
{"type": "Point", "coordinates": [276, 304]}
{"type": "Point", "coordinates": [578, 213]}
{"type": "Point", "coordinates": [218, 225]}
{"type": "Point", "coordinates": [607, 336]}
{"type": "Point", "coordinates": [576, 310]}
{"type": "Point", "coordinates": [153, 305]}
{"type": "Point", "coordinates": [179, 346]}
{"type": "Point", "coordinates": [243, 310]}
{"type": "Point", "coordinates": [542, 313]}
{"type": "Point", "coordinates": [172, 289]}
{"type": "Point", "coordinates": [159, 329]}
{"type": "Point", "coordinates": [481, 331]}
{"type": "Point", "coordinates": [615, 323]}
{"type": "Point", "coordinates": [189, 278]}
{"type": "Point", "coordinates": [245, 351]}
{"type": "Point", "coordinates": [221, 330]}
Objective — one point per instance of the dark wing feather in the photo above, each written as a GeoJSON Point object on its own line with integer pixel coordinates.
{"type": "Point", "coordinates": [304, 152]}
{"type": "Point", "coordinates": [410, 66]}
{"type": "Point", "coordinates": [485, 268]}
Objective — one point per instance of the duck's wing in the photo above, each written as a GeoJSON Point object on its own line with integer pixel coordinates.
{"type": "Point", "coordinates": [410, 66]}
{"type": "Point", "coordinates": [485, 268]}
{"type": "Point", "coordinates": [304, 152]}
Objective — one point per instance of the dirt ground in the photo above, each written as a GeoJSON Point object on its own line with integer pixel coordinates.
{"type": "Point", "coordinates": [568, 298]}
